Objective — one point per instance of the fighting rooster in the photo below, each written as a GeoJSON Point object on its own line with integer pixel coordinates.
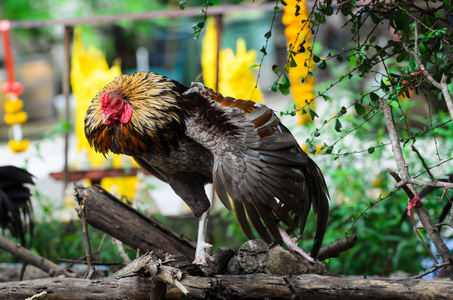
{"type": "Point", "coordinates": [189, 137]}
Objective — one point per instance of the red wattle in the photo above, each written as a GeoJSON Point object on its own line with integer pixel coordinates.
{"type": "Point", "coordinates": [127, 114]}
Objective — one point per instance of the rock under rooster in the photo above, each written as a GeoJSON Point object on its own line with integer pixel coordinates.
{"type": "Point", "coordinates": [191, 136]}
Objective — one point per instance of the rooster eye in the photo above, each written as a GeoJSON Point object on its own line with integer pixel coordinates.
{"type": "Point", "coordinates": [117, 103]}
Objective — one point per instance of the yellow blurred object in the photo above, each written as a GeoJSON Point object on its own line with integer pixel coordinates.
{"type": "Point", "coordinates": [235, 77]}
{"type": "Point", "coordinates": [18, 146]}
{"type": "Point", "coordinates": [294, 26]}
{"type": "Point", "coordinates": [123, 186]}
{"type": "Point", "coordinates": [16, 118]}
{"type": "Point", "coordinates": [89, 73]}
{"type": "Point", "coordinates": [13, 105]}
{"type": "Point", "coordinates": [318, 149]}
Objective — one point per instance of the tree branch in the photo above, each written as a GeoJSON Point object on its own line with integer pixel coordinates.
{"type": "Point", "coordinates": [442, 85]}
{"type": "Point", "coordinates": [411, 191]}
{"type": "Point", "coordinates": [34, 259]}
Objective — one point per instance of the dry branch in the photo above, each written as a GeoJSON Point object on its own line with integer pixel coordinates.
{"type": "Point", "coordinates": [252, 286]}
{"type": "Point", "coordinates": [33, 259]}
{"type": "Point", "coordinates": [119, 220]}
{"type": "Point", "coordinates": [410, 189]}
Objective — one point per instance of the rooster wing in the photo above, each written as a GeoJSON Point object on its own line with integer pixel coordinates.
{"type": "Point", "coordinates": [258, 163]}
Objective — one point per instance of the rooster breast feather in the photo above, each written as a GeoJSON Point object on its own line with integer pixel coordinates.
{"type": "Point", "coordinates": [258, 164]}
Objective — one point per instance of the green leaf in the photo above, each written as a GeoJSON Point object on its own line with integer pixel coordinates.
{"type": "Point", "coordinates": [312, 148]}
{"type": "Point", "coordinates": [412, 65]}
{"type": "Point", "coordinates": [329, 150]}
{"type": "Point", "coordinates": [338, 125]}
{"type": "Point", "coordinates": [284, 90]}
{"type": "Point", "coordinates": [374, 97]}
{"type": "Point", "coordinates": [384, 86]}
{"type": "Point", "coordinates": [284, 84]}
{"type": "Point", "coordinates": [292, 61]}
{"type": "Point", "coordinates": [322, 65]}
{"type": "Point", "coordinates": [372, 39]}
{"type": "Point", "coordinates": [329, 10]}
{"type": "Point", "coordinates": [253, 66]}
{"type": "Point", "coordinates": [325, 97]}
{"type": "Point", "coordinates": [360, 109]}
{"type": "Point", "coordinates": [371, 150]}
{"type": "Point", "coordinates": [275, 69]}
{"type": "Point", "coordinates": [402, 56]}
{"type": "Point", "coordinates": [375, 18]}
{"type": "Point", "coordinates": [316, 58]}
{"type": "Point", "coordinates": [313, 114]}
{"type": "Point", "coordinates": [274, 86]}
{"type": "Point", "coordinates": [268, 34]}
{"type": "Point", "coordinates": [263, 50]}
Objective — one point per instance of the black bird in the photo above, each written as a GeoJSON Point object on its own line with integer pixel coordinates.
{"type": "Point", "coordinates": [16, 213]}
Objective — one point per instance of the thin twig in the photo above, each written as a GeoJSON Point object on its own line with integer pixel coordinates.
{"type": "Point", "coordinates": [424, 183]}
{"type": "Point", "coordinates": [424, 163]}
{"type": "Point", "coordinates": [91, 271]}
{"type": "Point", "coordinates": [442, 86]}
{"type": "Point", "coordinates": [119, 245]}
{"type": "Point", "coordinates": [433, 269]}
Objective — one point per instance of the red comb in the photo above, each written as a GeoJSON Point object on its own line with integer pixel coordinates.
{"type": "Point", "coordinates": [105, 100]}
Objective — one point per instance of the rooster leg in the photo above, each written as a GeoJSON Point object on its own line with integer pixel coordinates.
{"type": "Point", "coordinates": [200, 253]}
{"type": "Point", "coordinates": [292, 246]}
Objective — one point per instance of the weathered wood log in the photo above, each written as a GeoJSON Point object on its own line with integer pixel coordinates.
{"type": "Point", "coordinates": [252, 257]}
{"type": "Point", "coordinates": [34, 259]}
{"type": "Point", "coordinates": [108, 214]}
{"type": "Point", "coordinates": [252, 286]}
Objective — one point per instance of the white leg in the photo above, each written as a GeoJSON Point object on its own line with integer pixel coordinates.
{"type": "Point", "coordinates": [292, 246]}
{"type": "Point", "coordinates": [200, 253]}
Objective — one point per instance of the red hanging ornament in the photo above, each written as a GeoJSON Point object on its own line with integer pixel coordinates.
{"type": "Point", "coordinates": [12, 88]}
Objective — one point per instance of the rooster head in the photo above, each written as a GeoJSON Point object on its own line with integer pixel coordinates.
{"type": "Point", "coordinates": [137, 114]}
{"type": "Point", "coordinates": [115, 108]}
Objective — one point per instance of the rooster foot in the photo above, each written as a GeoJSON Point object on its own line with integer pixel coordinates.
{"type": "Point", "coordinates": [201, 256]}
{"type": "Point", "coordinates": [292, 246]}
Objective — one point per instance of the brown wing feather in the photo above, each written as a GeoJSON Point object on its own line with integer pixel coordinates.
{"type": "Point", "coordinates": [258, 163]}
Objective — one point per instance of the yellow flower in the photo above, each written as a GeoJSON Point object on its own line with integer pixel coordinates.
{"type": "Point", "coordinates": [13, 105]}
{"type": "Point", "coordinates": [294, 26]}
{"type": "Point", "coordinates": [89, 73]}
{"type": "Point", "coordinates": [18, 146]}
{"type": "Point", "coordinates": [16, 118]}
{"type": "Point", "coordinates": [235, 77]}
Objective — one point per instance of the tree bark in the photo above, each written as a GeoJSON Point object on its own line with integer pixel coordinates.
{"type": "Point", "coordinates": [252, 286]}
{"type": "Point", "coordinates": [119, 220]}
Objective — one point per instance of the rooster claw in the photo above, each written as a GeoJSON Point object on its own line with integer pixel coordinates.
{"type": "Point", "coordinates": [202, 259]}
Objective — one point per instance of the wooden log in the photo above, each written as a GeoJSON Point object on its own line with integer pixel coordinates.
{"type": "Point", "coordinates": [108, 214]}
{"type": "Point", "coordinates": [251, 286]}
{"type": "Point", "coordinates": [34, 259]}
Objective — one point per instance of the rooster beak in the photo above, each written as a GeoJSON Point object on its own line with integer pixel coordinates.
{"type": "Point", "coordinates": [105, 119]}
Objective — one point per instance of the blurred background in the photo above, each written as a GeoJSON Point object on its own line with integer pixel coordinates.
{"type": "Point", "coordinates": [170, 41]}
